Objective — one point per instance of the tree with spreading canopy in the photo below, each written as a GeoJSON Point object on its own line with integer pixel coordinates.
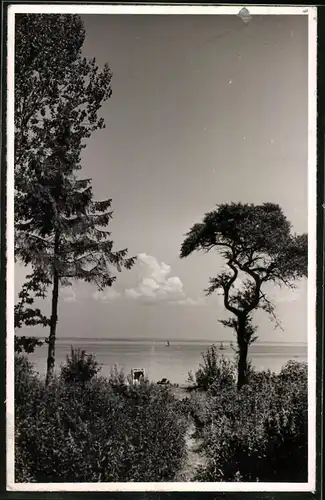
{"type": "Point", "coordinates": [60, 231]}
{"type": "Point", "coordinates": [259, 247]}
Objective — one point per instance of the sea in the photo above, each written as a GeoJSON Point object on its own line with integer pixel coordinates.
{"type": "Point", "coordinates": [160, 359]}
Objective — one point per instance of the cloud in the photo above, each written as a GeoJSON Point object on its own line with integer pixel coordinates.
{"type": "Point", "coordinates": [200, 301]}
{"type": "Point", "coordinates": [72, 294]}
{"type": "Point", "coordinates": [287, 295]}
{"type": "Point", "coordinates": [276, 295]}
{"type": "Point", "coordinates": [69, 295]}
{"type": "Point", "coordinates": [155, 283]}
{"type": "Point", "coordinates": [107, 295]}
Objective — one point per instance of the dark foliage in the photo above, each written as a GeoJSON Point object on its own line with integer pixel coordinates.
{"type": "Point", "coordinates": [260, 432]}
{"type": "Point", "coordinates": [79, 368]}
{"type": "Point", "coordinates": [97, 432]}
{"type": "Point", "coordinates": [215, 370]}
{"type": "Point", "coordinates": [27, 344]}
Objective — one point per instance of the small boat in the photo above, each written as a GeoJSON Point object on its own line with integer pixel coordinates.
{"type": "Point", "coordinates": [221, 347]}
{"type": "Point", "coordinates": [167, 343]}
{"type": "Point", "coordinates": [163, 381]}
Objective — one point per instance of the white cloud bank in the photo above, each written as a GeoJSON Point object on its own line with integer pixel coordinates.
{"type": "Point", "coordinates": [107, 295]}
{"type": "Point", "coordinates": [69, 294]}
{"type": "Point", "coordinates": [274, 293]}
{"type": "Point", "coordinates": [156, 285]}
{"type": "Point", "coordinates": [155, 282]}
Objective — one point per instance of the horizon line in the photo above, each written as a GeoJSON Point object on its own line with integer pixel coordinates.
{"type": "Point", "coordinates": [160, 339]}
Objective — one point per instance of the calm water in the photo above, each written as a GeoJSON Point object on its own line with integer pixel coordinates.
{"type": "Point", "coordinates": [173, 362]}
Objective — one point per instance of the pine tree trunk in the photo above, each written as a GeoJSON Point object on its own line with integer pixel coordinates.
{"type": "Point", "coordinates": [53, 320]}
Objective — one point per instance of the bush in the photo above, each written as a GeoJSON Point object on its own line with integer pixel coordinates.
{"type": "Point", "coordinates": [215, 370]}
{"type": "Point", "coordinates": [27, 390]}
{"type": "Point", "coordinates": [80, 367]}
{"type": "Point", "coordinates": [294, 372]}
{"type": "Point", "coordinates": [96, 432]}
{"type": "Point", "coordinates": [260, 432]}
{"type": "Point", "coordinates": [199, 412]}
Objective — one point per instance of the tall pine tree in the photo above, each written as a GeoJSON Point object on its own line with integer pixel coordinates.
{"type": "Point", "coordinates": [63, 233]}
{"type": "Point", "coordinates": [60, 230]}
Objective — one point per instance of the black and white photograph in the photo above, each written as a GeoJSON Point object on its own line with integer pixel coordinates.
{"type": "Point", "coordinates": [161, 248]}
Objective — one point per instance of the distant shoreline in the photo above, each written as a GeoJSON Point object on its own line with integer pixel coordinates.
{"type": "Point", "coordinates": [164, 340]}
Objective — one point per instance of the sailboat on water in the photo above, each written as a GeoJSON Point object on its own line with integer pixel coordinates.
{"type": "Point", "coordinates": [222, 348]}
{"type": "Point", "coordinates": [167, 343]}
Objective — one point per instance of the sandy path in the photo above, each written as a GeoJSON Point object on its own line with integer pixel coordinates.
{"type": "Point", "coordinates": [193, 459]}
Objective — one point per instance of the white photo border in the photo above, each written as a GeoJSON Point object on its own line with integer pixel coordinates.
{"type": "Point", "coordinates": [196, 9]}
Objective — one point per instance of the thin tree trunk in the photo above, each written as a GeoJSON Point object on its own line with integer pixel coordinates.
{"type": "Point", "coordinates": [54, 317]}
{"type": "Point", "coordinates": [243, 351]}
{"type": "Point", "coordinates": [242, 365]}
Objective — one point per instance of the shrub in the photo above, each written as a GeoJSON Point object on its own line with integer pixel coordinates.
{"type": "Point", "coordinates": [260, 432]}
{"type": "Point", "coordinates": [25, 379]}
{"type": "Point", "coordinates": [118, 381]}
{"type": "Point", "coordinates": [199, 411]}
{"type": "Point", "coordinates": [260, 379]}
{"type": "Point", "coordinates": [96, 432]}
{"type": "Point", "coordinates": [27, 389]}
{"type": "Point", "coordinates": [80, 367]}
{"type": "Point", "coordinates": [215, 369]}
{"type": "Point", "coordinates": [295, 372]}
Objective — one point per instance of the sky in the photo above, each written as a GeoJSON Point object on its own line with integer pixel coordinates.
{"type": "Point", "coordinates": [204, 110]}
